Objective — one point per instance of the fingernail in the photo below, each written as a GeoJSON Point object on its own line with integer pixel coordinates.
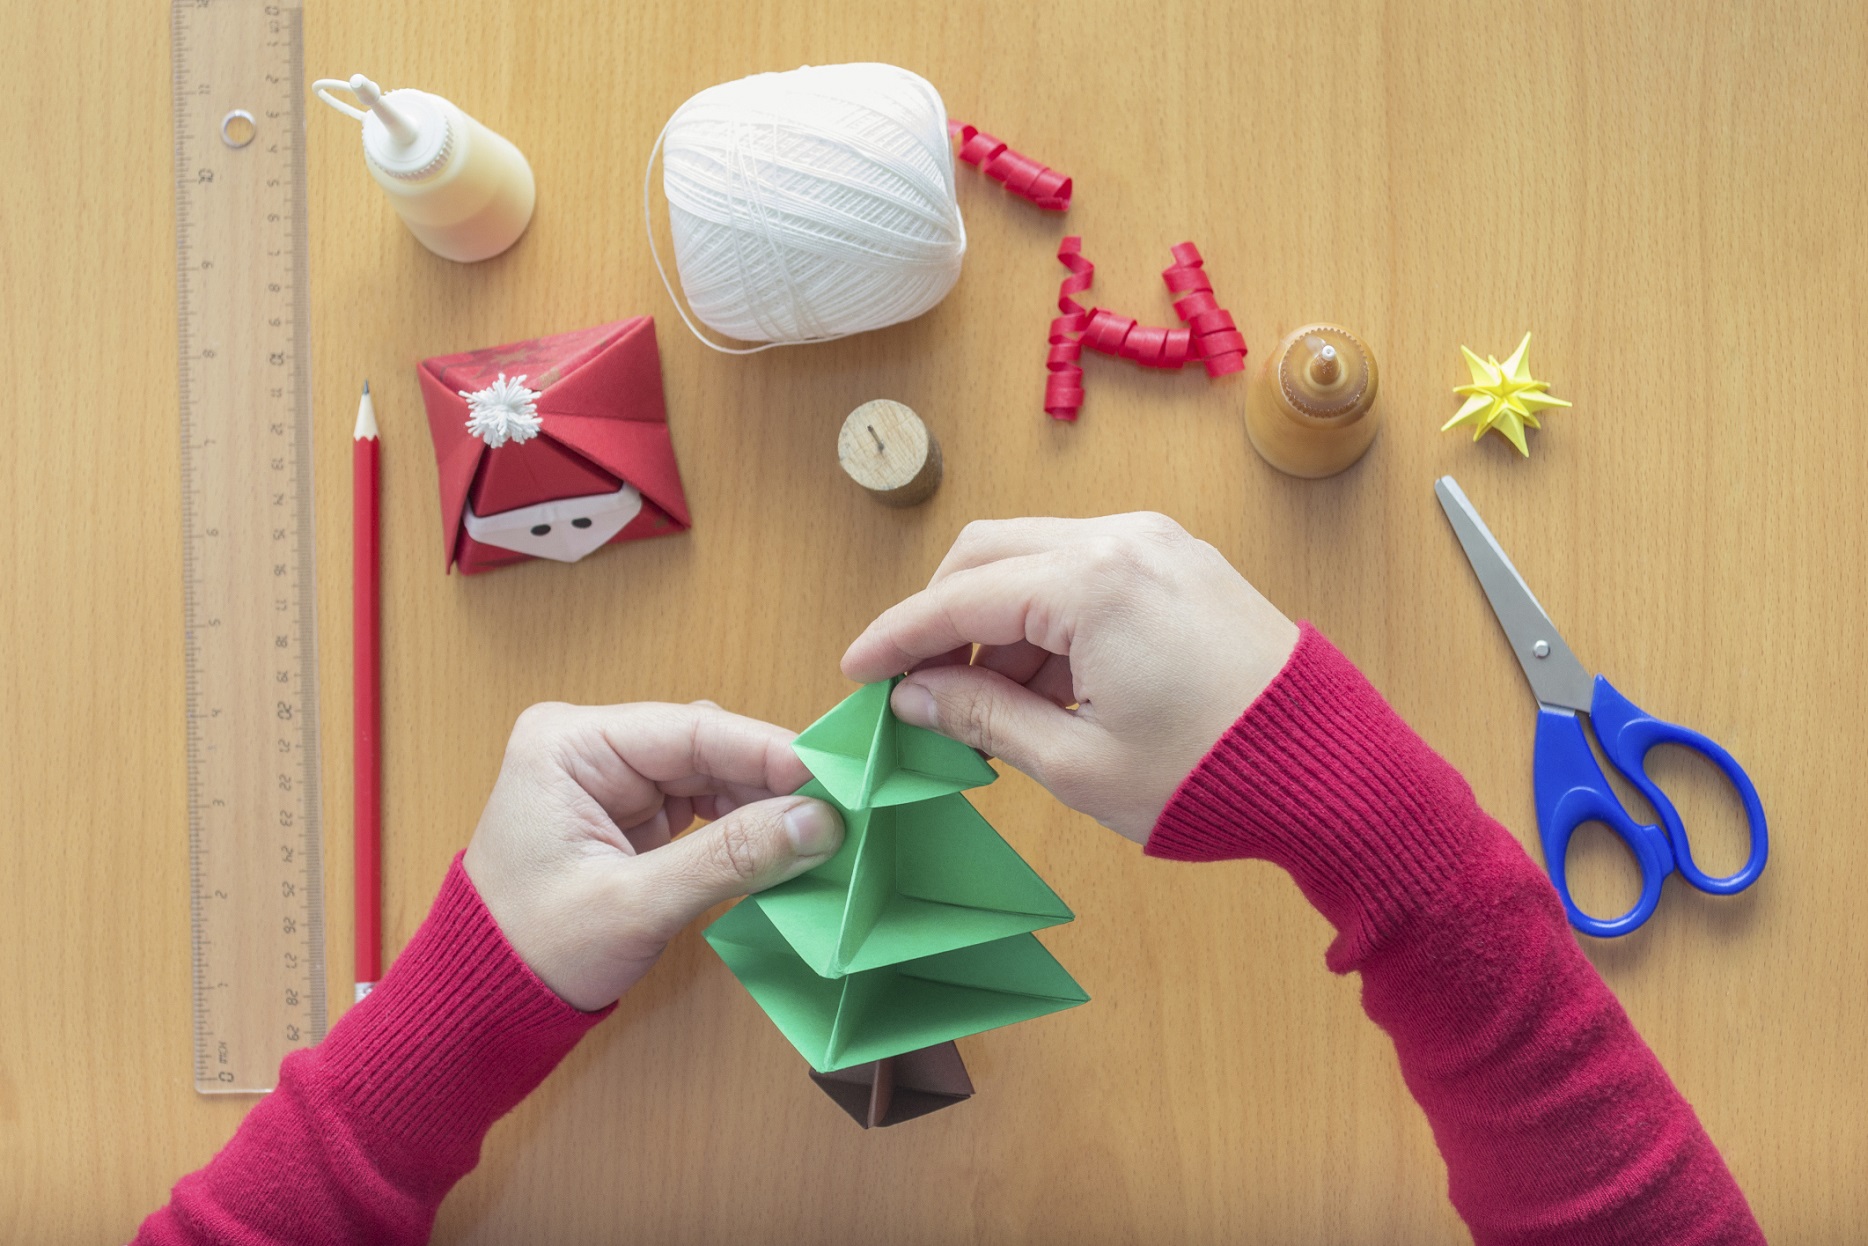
{"type": "Point", "coordinates": [914, 705]}
{"type": "Point", "coordinates": [814, 828]}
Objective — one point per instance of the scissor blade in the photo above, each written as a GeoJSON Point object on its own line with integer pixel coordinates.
{"type": "Point", "coordinates": [1557, 678]}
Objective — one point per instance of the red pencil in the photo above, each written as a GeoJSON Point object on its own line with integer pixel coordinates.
{"type": "Point", "coordinates": [366, 608]}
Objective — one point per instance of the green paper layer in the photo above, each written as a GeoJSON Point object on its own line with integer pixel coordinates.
{"type": "Point", "coordinates": [873, 1014]}
{"type": "Point", "coordinates": [910, 881]}
{"type": "Point", "coordinates": [866, 757]}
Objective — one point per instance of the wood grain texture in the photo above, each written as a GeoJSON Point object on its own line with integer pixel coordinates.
{"type": "Point", "coordinates": [1669, 195]}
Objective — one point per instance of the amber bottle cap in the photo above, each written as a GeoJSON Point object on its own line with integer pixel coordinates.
{"type": "Point", "coordinates": [1325, 373]}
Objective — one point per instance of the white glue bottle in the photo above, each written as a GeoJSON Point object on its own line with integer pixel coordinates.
{"type": "Point", "coordinates": [465, 192]}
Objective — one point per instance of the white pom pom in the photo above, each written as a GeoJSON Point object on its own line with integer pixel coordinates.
{"type": "Point", "coordinates": [503, 411]}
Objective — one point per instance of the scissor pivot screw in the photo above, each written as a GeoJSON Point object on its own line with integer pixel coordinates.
{"type": "Point", "coordinates": [1541, 649]}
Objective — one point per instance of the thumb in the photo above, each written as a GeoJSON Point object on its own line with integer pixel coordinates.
{"type": "Point", "coordinates": [983, 708]}
{"type": "Point", "coordinates": [754, 847]}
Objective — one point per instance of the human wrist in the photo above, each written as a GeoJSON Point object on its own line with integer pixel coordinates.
{"type": "Point", "coordinates": [457, 1033]}
{"type": "Point", "coordinates": [1322, 778]}
{"type": "Point", "coordinates": [505, 904]}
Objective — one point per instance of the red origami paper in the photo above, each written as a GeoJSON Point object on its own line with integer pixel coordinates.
{"type": "Point", "coordinates": [595, 424]}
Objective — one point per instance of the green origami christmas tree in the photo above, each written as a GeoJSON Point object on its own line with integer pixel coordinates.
{"type": "Point", "coordinates": [918, 931]}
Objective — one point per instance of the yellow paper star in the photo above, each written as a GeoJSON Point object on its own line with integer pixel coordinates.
{"type": "Point", "coordinates": [1503, 397]}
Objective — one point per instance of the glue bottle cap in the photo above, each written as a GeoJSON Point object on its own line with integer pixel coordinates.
{"type": "Point", "coordinates": [1325, 372]}
{"type": "Point", "coordinates": [406, 133]}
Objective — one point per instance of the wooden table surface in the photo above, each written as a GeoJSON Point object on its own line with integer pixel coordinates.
{"type": "Point", "coordinates": [1668, 195]}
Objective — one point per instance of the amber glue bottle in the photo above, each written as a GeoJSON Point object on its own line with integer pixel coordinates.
{"type": "Point", "coordinates": [1310, 407]}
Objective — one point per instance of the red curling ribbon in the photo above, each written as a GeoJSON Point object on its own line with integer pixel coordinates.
{"type": "Point", "coordinates": [1216, 339]}
{"type": "Point", "coordinates": [1230, 342]}
{"type": "Point", "coordinates": [1149, 345]}
{"type": "Point", "coordinates": [1144, 345]}
{"type": "Point", "coordinates": [1159, 348]}
{"type": "Point", "coordinates": [1186, 254]}
{"type": "Point", "coordinates": [1020, 174]}
{"type": "Point", "coordinates": [1107, 332]}
{"type": "Point", "coordinates": [1195, 305]}
{"type": "Point", "coordinates": [1209, 321]}
{"type": "Point", "coordinates": [1208, 332]}
{"type": "Point", "coordinates": [1082, 273]}
{"type": "Point", "coordinates": [1062, 400]}
{"type": "Point", "coordinates": [1176, 348]}
{"type": "Point", "coordinates": [1187, 280]}
{"type": "Point", "coordinates": [1063, 388]}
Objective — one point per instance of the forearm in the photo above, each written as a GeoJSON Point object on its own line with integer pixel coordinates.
{"type": "Point", "coordinates": [369, 1130]}
{"type": "Point", "coordinates": [1557, 1123]}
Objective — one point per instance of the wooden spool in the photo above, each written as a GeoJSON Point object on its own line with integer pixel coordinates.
{"type": "Point", "coordinates": [885, 448]}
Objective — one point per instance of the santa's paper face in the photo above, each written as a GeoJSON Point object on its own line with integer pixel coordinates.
{"type": "Point", "coordinates": [563, 530]}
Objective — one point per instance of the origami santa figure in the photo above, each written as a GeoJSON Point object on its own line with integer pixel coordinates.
{"type": "Point", "coordinates": [553, 447]}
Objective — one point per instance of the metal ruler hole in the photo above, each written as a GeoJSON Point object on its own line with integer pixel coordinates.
{"type": "Point", "coordinates": [238, 128]}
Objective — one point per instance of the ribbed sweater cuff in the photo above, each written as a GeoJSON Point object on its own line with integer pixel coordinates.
{"type": "Point", "coordinates": [1321, 777]}
{"type": "Point", "coordinates": [456, 1034]}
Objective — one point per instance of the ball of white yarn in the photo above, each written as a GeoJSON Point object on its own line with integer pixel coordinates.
{"type": "Point", "coordinates": [814, 203]}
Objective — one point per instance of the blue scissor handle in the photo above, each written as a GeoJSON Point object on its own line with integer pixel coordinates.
{"type": "Point", "coordinates": [1571, 790]}
{"type": "Point", "coordinates": [1627, 733]}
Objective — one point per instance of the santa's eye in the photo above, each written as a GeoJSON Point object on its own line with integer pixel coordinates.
{"type": "Point", "coordinates": [540, 529]}
{"type": "Point", "coordinates": [580, 523]}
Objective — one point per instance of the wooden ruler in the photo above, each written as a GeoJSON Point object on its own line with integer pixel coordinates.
{"type": "Point", "coordinates": [254, 850]}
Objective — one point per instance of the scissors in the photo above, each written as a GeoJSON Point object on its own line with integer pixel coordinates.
{"type": "Point", "coordinates": [1569, 785]}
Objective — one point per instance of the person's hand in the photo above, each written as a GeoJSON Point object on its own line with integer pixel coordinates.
{"type": "Point", "coordinates": [575, 854]}
{"type": "Point", "coordinates": [1152, 636]}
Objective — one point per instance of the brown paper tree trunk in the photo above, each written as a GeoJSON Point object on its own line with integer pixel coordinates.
{"type": "Point", "coordinates": [888, 1092]}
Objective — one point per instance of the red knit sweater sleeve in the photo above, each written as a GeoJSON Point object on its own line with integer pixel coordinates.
{"type": "Point", "coordinates": [370, 1129]}
{"type": "Point", "coordinates": [1557, 1123]}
